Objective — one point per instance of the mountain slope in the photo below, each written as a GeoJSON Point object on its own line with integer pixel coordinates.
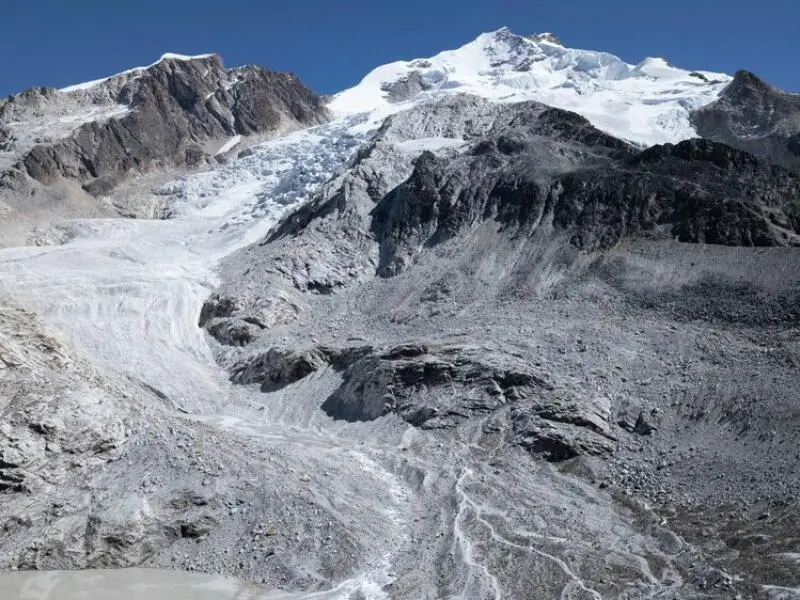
{"type": "Point", "coordinates": [460, 346]}
{"type": "Point", "coordinates": [510, 275]}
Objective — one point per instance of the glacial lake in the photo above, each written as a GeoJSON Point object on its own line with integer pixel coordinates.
{"type": "Point", "coordinates": [149, 584]}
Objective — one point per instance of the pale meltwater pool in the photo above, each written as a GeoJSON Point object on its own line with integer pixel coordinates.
{"type": "Point", "coordinates": [146, 584]}
{"type": "Point", "coordinates": [129, 584]}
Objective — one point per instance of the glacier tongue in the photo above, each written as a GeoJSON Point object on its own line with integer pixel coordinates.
{"type": "Point", "coordinates": [128, 291]}
{"type": "Point", "coordinates": [647, 104]}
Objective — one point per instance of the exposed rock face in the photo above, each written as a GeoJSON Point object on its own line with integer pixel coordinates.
{"type": "Point", "coordinates": [430, 385]}
{"type": "Point", "coordinates": [435, 385]}
{"type": "Point", "coordinates": [407, 87]}
{"type": "Point", "coordinates": [275, 369]}
{"type": "Point", "coordinates": [172, 114]}
{"type": "Point", "coordinates": [441, 386]}
{"type": "Point", "coordinates": [754, 116]}
{"type": "Point", "coordinates": [560, 434]}
{"type": "Point", "coordinates": [697, 191]}
{"type": "Point", "coordinates": [546, 37]}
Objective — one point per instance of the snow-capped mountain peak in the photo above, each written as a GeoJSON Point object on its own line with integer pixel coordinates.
{"type": "Point", "coordinates": [646, 103]}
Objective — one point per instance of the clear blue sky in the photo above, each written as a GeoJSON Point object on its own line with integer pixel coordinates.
{"type": "Point", "coordinates": [331, 44]}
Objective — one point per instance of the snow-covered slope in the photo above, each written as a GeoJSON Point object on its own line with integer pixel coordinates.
{"type": "Point", "coordinates": [648, 103]}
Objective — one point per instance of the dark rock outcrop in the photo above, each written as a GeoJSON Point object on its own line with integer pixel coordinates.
{"type": "Point", "coordinates": [277, 368]}
{"type": "Point", "coordinates": [429, 386]}
{"type": "Point", "coordinates": [560, 428]}
{"type": "Point", "coordinates": [406, 88]}
{"type": "Point", "coordinates": [434, 385]}
{"type": "Point", "coordinates": [755, 117]}
{"type": "Point", "coordinates": [556, 441]}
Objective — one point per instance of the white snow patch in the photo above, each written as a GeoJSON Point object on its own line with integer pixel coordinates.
{"type": "Point", "coordinates": [790, 556]}
{"type": "Point", "coordinates": [173, 56]}
{"type": "Point", "coordinates": [229, 144]}
{"type": "Point", "coordinates": [778, 592]}
{"type": "Point", "coordinates": [432, 144]}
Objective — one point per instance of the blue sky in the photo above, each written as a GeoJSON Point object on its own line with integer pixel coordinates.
{"type": "Point", "coordinates": [331, 44]}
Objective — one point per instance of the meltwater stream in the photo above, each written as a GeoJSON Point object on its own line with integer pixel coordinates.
{"type": "Point", "coordinates": [127, 293]}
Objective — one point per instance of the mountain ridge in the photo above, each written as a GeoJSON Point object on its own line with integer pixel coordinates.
{"type": "Point", "coordinates": [755, 117]}
{"type": "Point", "coordinates": [564, 76]}
{"type": "Point", "coordinates": [66, 151]}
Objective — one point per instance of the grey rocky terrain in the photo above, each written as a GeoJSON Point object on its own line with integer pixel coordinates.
{"type": "Point", "coordinates": [485, 350]}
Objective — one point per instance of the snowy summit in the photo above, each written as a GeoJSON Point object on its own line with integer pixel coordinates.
{"type": "Point", "coordinates": [647, 103]}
